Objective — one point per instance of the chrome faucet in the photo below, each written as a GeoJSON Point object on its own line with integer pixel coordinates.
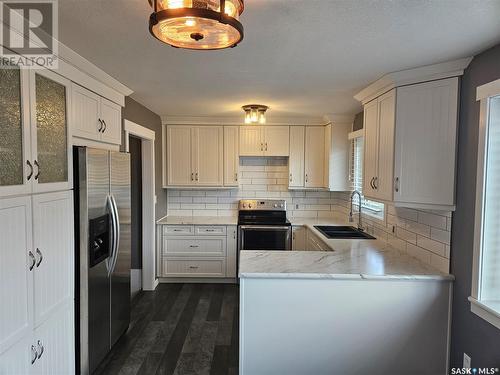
{"type": "Point", "coordinates": [360, 226]}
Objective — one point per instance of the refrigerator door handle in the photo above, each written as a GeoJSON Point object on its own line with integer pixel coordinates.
{"type": "Point", "coordinates": [110, 208]}
{"type": "Point", "coordinates": [117, 233]}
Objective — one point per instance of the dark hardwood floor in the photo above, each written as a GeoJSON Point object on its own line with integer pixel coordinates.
{"type": "Point", "coordinates": [180, 329]}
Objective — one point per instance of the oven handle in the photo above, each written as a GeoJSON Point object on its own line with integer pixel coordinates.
{"type": "Point", "coordinates": [267, 227]}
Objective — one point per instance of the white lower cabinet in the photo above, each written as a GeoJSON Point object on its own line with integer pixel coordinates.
{"type": "Point", "coordinates": [36, 284]}
{"type": "Point", "coordinates": [198, 251]}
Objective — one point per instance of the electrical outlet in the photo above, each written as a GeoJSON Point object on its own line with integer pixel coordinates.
{"type": "Point", "coordinates": [467, 361]}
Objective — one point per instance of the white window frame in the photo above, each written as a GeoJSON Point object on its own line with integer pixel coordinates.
{"type": "Point", "coordinates": [367, 210]}
{"type": "Point", "coordinates": [488, 310]}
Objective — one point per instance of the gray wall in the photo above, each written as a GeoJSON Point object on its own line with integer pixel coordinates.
{"type": "Point", "coordinates": [470, 333]}
{"type": "Point", "coordinates": [139, 114]}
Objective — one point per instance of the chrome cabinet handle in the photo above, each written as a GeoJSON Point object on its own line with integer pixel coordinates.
{"type": "Point", "coordinates": [33, 260]}
{"type": "Point", "coordinates": [209, 230]}
{"type": "Point", "coordinates": [196, 176]}
{"type": "Point", "coordinates": [177, 230]}
{"type": "Point", "coordinates": [192, 176]}
{"type": "Point", "coordinates": [194, 267]}
{"type": "Point", "coordinates": [34, 354]}
{"type": "Point", "coordinates": [40, 349]}
{"type": "Point", "coordinates": [105, 126]}
{"type": "Point", "coordinates": [266, 146]}
{"type": "Point", "coordinates": [236, 176]}
{"type": "Point", "coordinates": [37, 169]}
{"type": "Point", "coordinates": [371, 183]}
{"type": "Point", "coordinates": [100, 125]}
{"type": "Point", "coordinates": [39, 253]}
{"type": "Point", "coordinates": [307, 178]}
{"type": "Point", "coordinates": [261, 147]}
{"type": "Point", "coordinates": [375, 183]}
{"type": "Point", "coordinates": [193, 246]}
{"type": "Point", "coordinates": [290, 177]}
{"type": "Point", "coordinates": [396, 185]}
{"type": "Point", "coordinates": [31, 169]}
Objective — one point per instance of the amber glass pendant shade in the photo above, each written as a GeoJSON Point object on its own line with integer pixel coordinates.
{"type": "Point", "coordinates": [197, 24]}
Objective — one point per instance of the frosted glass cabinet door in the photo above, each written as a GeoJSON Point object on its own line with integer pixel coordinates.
{"type": "Point", "coordinates": [50, 95]}
{"type": "Point", "coordinates": [14, 133]}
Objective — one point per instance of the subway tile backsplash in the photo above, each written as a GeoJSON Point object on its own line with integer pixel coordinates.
{"type": "Point", "coordinates": [423, 234]}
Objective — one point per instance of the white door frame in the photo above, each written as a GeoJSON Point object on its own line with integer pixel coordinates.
{"type": "Point", "coordinates": [147, 136]}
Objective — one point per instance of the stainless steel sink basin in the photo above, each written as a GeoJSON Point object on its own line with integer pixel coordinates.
{"type": "Point", "coordinates": [343, 232]}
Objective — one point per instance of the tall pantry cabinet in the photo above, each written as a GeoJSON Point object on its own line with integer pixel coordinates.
{"type": "Point", "coordinates": [36, 224]}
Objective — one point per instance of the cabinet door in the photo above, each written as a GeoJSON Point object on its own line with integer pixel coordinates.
{"type": "Point", "coordinates": [17, 359]}
{"type": "Point", "coordinates": [50, 133]}
{"type": "Point", "coordinates": [231, 258]}
{"type": "Point", "coordinates": [426, 121]}
{"type": "Point", "coordinates": [179, 163]}
{"type": "Point", "coordinates": [251, 141]}
{"type": "Point", "coordinates": [297, 156]}
{"type": "Point", "coordinates": [16, 279]}
{"type": "Point", "coordinates": [54, 247]}
{"type": "Point", "coordinates": [15, 151]}
{"type": "Point", "coordinates": [208, 154]}
{"type": "Point", "coordinates": [276, 140]}
{"type": "Point", "coordinates": [54, 341]}
{"type": "Point", "coordinates": [315, 157]}
{"type": "Point", "coordinates": [299, 238]}
{"type": "Point", "coordinates": [387, 117]}
{"type": "Point", "coordinates": [371, 148]}
{"type": "Point", "coordinates": [85, 113]}
{"type": "Point", "coordinates": [231, 156]}
{"type": "Point", "coordinates": [111, 116]}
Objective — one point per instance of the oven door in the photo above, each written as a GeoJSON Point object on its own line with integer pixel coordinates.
{"type": "Point", "coordinates": [265, 237]}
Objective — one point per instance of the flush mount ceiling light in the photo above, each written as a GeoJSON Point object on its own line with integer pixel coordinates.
{"type": "Point", "coordinates": [255, 113]}
{"type": "Point", "coordinates": [197, 24]}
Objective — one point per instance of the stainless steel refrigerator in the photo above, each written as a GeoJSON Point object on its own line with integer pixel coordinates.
{"type": "Point", "coordinates": [103, 218]}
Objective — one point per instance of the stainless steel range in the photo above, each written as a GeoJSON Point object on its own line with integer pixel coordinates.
{"type": "Point", "coordinates": [262, 225]}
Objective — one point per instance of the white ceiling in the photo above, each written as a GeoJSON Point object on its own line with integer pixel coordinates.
{"type": "Point", "coordinates": [300, 57]}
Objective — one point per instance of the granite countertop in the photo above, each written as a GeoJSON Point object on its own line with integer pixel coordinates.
{"type": "Point", "coordinates": [198, 220]}
{"type": "Point", "coordinates": [349, 259]}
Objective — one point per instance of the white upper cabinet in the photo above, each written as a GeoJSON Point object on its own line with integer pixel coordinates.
{"type": "Point", "coordinates": [35, 151]}
{"type": "Point", "coordinates": [208, 154]}
{"type": "Point", "coordinates": [379, 147]}
{"type": "Point", "coordinates": [251, 141]}
{"type": "Point", "coordinates": [410, 145]}
{"type": "Point", "coordinates": [94, 117]}
{"type": "Point", "coordinates": [297, 156]}
{"type": "Point", "coordinates": [315, 157]}
{"type": "Point", "coordinates": [276, 140]}
{"type": "Point", "coordinates": [231, 155]}
{"type": "Point", "coordinates": [195, 155]}
{"type": "Point", "coordinates": [179, 164]}
{"type": "Point", "coordinates": [425, 151]}
{"type": "Point", "coordinates": [259, 140]}
{"type": "Point", "coordinates": [111, 117]}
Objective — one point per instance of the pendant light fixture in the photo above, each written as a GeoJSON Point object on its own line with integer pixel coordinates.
{"type": "Point", "coordinates": [197, 24]}
{"type": "Point", "coordinates": [255, 113]}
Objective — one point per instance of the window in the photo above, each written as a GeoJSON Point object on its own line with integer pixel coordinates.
{"type": "Point", "coordinates": [371, 208]}
{"type": "Point", "coordinates": [485, 299]}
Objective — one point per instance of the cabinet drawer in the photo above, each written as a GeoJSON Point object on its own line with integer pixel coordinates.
{"type": "Point", "coordinates": [210, 230]}
{"type": "Point", "coordinates": [178, 230]}
{"type": "Point", "coordinates": [175, 267]}
{"type": "Point", "coordinates": [195, 246]}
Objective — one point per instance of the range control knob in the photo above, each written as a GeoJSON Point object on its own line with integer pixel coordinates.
{"type": "Point", "coordinates": [244, 205]}
{"type": "Point", "coordinates": [249, 205]}
{"type": "Point", "coordinates": [275, 205]}
{"type": "Point", "coordinates": [281, 205]}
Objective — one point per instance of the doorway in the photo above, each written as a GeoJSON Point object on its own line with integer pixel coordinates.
{"type": "Point", "coordinates": [139, 141]}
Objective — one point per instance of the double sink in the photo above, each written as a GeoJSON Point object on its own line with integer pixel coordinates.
{"type": "Point", "coordinates": [343, 232]}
